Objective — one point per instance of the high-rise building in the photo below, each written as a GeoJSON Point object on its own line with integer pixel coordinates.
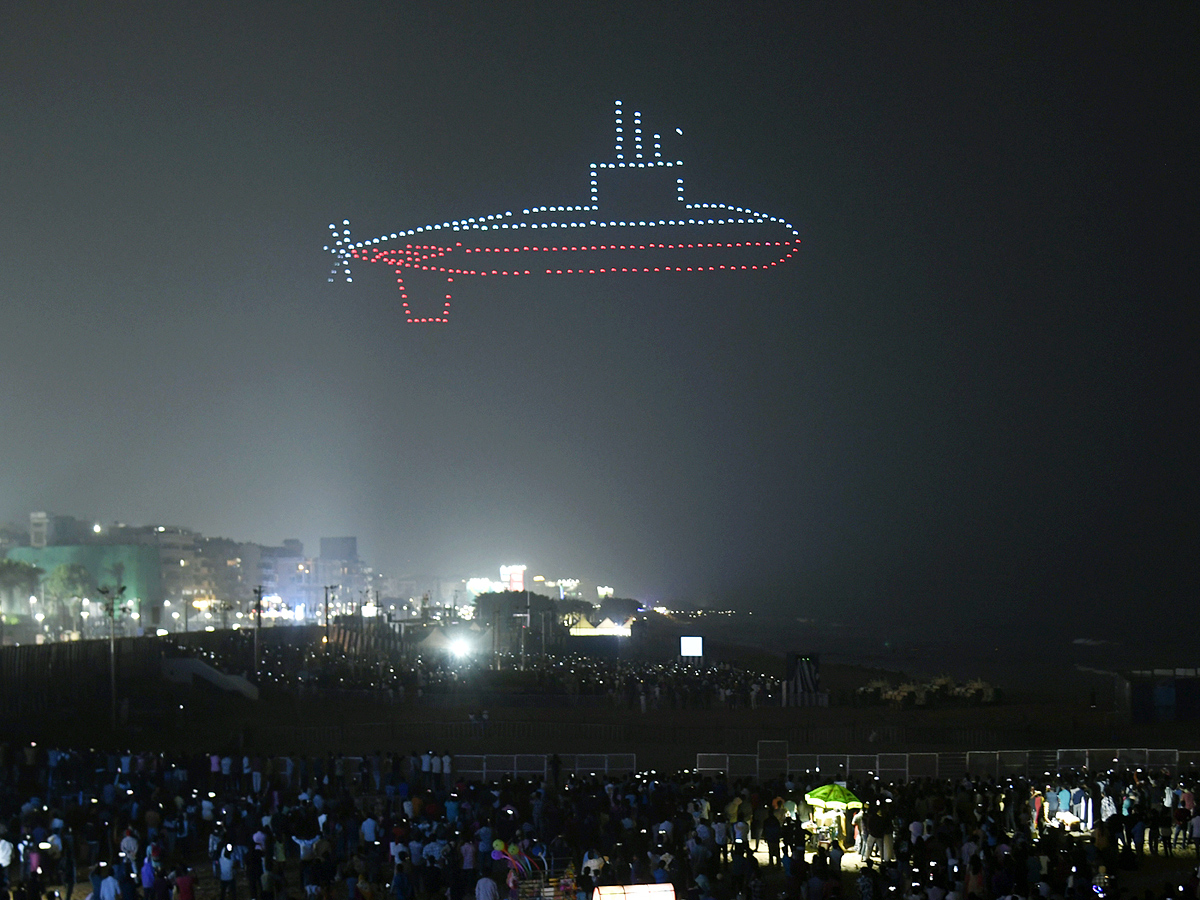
{"type": "Point", "coordinates": [513, 577]}
{"type": "Point", "coordinates": [339, 548]}
{"type": "Point", "coordinates": [48, 530]}
{"type": "Point", "coordinates": [187, 578]}
{"type": "Point", "coordinates": [339, 565]}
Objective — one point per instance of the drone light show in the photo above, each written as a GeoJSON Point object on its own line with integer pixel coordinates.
{"type": "Point", "coordinates": [637, 220]}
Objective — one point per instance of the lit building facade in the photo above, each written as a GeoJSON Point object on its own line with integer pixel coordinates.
{"type": "Point", "coordinates": [513, 577]}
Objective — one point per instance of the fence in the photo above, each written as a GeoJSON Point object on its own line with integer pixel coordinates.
{"type": "Point", "coordinates": [907, 766]}
{"type": "Point", "coordinates": [354, 737]}
{"type": "Point", "coordinates": [48, 675]}
{"type": "Point", "coordinates": [537, 765]}
{"type": "Point", "coordinates": [490, 766]}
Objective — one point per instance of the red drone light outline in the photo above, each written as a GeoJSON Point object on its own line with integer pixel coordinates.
{"type": "Point", "coordinates": [602, 242]}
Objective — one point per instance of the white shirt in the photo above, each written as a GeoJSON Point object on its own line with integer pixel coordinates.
{"type": "Point", "coordinates": [306, 846]}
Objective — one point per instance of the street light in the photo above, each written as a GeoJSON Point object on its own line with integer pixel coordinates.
{"type": "Point", "coordinates": [258, 594]}
{"type": "Point", "coordinates": [112, 597]}
{"type": "Point", "coordinates": [328, 588]}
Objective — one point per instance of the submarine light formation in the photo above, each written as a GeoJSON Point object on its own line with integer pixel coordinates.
{"type": "Point", "coordinates": [637, 221]}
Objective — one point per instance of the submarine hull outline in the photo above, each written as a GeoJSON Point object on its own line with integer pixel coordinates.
{"type": "Point", "coordinates": [585, 239]}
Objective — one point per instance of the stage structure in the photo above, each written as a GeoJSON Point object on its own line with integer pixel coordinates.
{"type": "Point", "coordinates": [636, 220]}
{"type": "Point", "coordinates": [802, 683]}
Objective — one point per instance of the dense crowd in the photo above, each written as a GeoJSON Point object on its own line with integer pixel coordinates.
{"type": "Point", "coordinates": [388, 826]}
{"type": "Point", "coordinates": [628, 684]}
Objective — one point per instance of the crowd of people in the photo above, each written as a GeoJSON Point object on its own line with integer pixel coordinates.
{"type": "Point", "coordinates": [407, 826]}
{"type": "Point", "coordinates": [629, 684]}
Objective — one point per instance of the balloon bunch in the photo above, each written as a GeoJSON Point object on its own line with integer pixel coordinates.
{"type": "Point", "coordinates": [520, 861]}
{"type": "Point", "coordinates": [566, 883]}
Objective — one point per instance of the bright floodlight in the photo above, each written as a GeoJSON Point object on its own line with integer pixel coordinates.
{"type": "Point", "coordinates": [459, 648]}
{"type": "Point", "coordinates": [691, 646]}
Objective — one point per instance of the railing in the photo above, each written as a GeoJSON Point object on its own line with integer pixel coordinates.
{"type": "Point", "coordinates": [907, 766]}
{"type": "Point", "coordinates": [492, 765]}
{"type": "Point", "coordinates": [404, 734]}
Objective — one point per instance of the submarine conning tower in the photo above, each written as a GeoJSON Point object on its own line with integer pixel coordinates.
{"type": "Point", "coordinates": [638, 183]}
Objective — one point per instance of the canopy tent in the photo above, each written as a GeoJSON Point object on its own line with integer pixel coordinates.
{"type": "Point", "coordinates": [583, 628]}
{"type": "Point", "coordinates": [435, 640]}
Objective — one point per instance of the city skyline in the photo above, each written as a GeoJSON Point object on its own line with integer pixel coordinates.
{"type": "Point", "coordinates": [57, 530]}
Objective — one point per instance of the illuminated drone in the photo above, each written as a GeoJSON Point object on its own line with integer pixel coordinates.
{"type": "Point", "coordinates": [638, 220]}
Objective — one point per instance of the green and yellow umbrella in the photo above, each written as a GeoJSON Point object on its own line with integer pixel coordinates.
{"type": "Point", "coordinates": [832, 796]}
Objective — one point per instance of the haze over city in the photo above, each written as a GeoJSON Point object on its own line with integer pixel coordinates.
{"type": "Point", "coordinates": [966, 399]}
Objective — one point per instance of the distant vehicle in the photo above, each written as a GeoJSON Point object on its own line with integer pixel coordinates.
{"type": "Point", "coordinates": [637, 221]}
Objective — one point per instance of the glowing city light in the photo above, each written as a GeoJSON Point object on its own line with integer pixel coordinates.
{"type": "Point", "coordinates": [667, 239]}
{"type": "Point", "coordinates": [513, 577]}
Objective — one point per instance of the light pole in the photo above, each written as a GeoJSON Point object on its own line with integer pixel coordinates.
{"type": "Point", "coordinates": [112, 597]}
{"type": "Point", "coordinates": [328, 588]}
{"type": "Point", "coordinates": [258, 594]}
{"type": "Point", "coordinates": [524, 628]}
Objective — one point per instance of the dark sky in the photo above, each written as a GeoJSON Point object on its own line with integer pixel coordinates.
{"type": "Point", "coordinates": [970, 397]}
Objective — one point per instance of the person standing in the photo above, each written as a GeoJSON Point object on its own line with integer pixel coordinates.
{"type": "Point", "coordinates": [468, 855]}
{"type": "Point", "coordinates": [226, 871]}
{"type": "Point", "coordinates": [772, 831]}
{"type": "Point", "coordinates": [254, 864]}
{"type": "Point", "coordinates": [866, 884]}
{"type": "Point", "coordinates": [401, 887]}
{"type": "Point", "coordinates": [427, 769]}
{"type": "Point", "coordinates": [6, 858]}
{"type": "Point", "coordinates": [859, 824]}
{"type": "Point", "coordinates": [185, 883]}
{"type": "Point", "coordinates": [110, 888]}
{"type": "Point", "coordinates": [66, 859]}
{"type": "Point", "coordinates": [486, 889]}
{"type": "Point", "coordinates": [435, 768]}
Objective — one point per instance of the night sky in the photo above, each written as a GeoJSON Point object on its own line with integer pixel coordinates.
{"type": "Point", "coordinates": [970, 398]}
